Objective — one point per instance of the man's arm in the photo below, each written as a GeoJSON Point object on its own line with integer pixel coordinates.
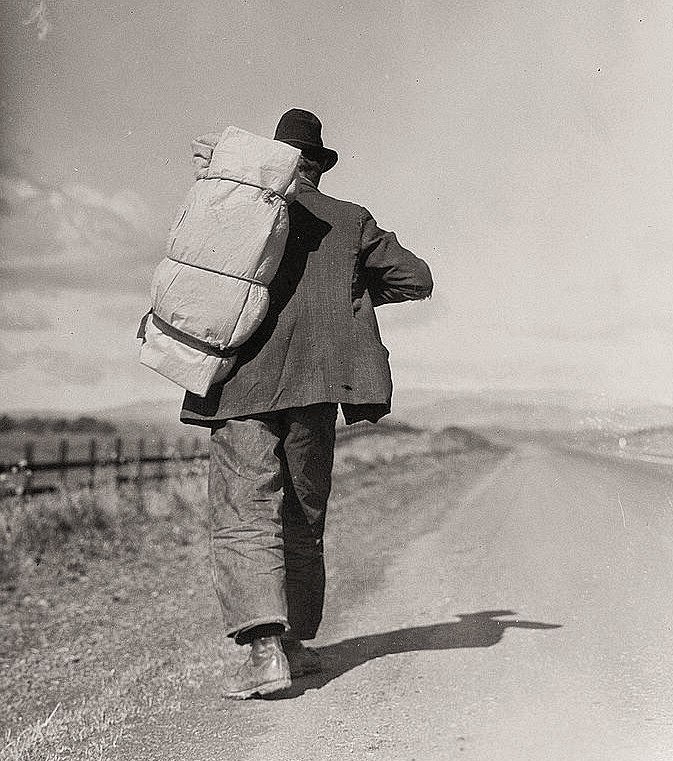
{"type": "Point", "coordinates": [392, 273]}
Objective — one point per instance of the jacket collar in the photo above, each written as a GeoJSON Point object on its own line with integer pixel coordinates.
{"type": "Point", "coordinates": [306, 186]}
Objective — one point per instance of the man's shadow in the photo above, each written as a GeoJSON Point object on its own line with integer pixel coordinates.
{"type": "Point", "coordinates": [471, 630]}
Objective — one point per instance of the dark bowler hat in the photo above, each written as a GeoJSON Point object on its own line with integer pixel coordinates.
{"type": "Point", "coordinates": [302, 130]}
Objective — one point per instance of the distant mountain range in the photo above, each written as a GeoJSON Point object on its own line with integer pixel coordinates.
{"type": "Point", "coordinates": [438, 408]}
{"type": "Point", "coordinates": [526, 411]}
{"type": "Point", "coordinates": [151, 418]}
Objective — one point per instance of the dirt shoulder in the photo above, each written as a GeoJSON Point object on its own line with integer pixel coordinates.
{"type": "Point", "coordinates": [95, 654]}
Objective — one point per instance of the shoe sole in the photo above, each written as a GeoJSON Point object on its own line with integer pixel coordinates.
{"type": "Point", "coordinates": [261, 689]}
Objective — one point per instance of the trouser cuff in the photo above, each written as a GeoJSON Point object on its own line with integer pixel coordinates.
{"type": "Point", "coordinates": [241, 634]}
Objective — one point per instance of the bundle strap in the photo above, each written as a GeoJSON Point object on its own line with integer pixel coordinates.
{"type": "Point", "coordinates": [269, 191]}
{"type": "Point", "coordinates": [195, 343]}
{"type": "Point", "coordinates": [216, 272]}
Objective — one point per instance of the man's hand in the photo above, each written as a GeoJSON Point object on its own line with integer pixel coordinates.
{"type": "Point", "coordinates": [202, 152]}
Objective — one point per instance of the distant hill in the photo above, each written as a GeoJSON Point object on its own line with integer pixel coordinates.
{"type": "Point", "coordinates": [526, 411]}
{"type": "Point", "coordinates": [152, 419]}
{"type": "Point", "coordinates": [38, 424]}
{"type": "Point", "coordinates": [436, 408]}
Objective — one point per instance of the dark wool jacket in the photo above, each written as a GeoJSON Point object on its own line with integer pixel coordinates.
{"type": "Point", "coordinates": [320, 340]}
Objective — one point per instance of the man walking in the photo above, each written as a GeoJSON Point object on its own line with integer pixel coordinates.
{"type": "Point", "coordinates": [273, 419]}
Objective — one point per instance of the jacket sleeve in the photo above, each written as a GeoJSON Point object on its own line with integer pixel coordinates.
{"type": "Point", "coordinates": [392, 273]}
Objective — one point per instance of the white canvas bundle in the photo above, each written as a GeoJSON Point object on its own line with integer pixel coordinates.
{"type": "Point", "coordinates": [210, 293]}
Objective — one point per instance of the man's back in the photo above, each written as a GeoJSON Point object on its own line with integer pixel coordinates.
{"type": "Point", "coordinates": [320, 340]}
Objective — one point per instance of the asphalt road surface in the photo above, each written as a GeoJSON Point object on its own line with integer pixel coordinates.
{"type": "Point", "coordinates": [535, 622]}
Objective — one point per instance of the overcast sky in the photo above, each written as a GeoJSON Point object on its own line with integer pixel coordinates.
{"type": "Point", "coordinates": [523, 148]}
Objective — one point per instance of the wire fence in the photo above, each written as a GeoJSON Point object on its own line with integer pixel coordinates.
{"type": "Point", "coordinates": [87, 463]}
{"type": "Point", "coordinates": [117, 462]}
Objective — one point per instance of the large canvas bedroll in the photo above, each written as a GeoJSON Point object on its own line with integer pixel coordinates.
{"type": "Point", "coordinates": [210, 292]}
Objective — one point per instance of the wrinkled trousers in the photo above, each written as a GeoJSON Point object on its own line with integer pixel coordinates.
{"type": "Point", "coordinates": [269, 482]}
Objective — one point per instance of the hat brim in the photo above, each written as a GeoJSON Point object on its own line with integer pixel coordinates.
{"type": "Point", "coordinates": [330, 158]}
{"type": "Point", "coordinates": [326, 156]}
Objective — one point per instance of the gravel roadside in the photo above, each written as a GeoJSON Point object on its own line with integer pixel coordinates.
{"type": "Point", "coordinates": [98, 658]}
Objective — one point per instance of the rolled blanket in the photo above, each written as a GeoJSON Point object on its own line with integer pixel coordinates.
{"type": "Point", "coordinates": [210, 292]}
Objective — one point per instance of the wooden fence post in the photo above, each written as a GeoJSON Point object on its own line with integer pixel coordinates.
{"type": "Point", "coordinates": [28, 460]}
{"type": "Point", "coordinates": [119, 457]}
{"type": "Point", "coordinates": [63, 450]}
{"type": "Point", "coordinates": [93, 457]}
{"type": "Point", "coordinates": [181, 456]}
{"type": "Point", "coordinates": [139, 477]}
{"type": "Point", "coordinates": [161, 465]}
{"type": "Point", "coordinates": [141, 457]}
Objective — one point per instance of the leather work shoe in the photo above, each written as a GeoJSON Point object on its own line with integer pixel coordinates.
{"type": "Point", "coordinates": [303, 660]}
{"type": "Point", "coordinates": [266, 670]}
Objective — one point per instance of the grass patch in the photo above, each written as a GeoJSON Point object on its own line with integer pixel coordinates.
{"type": "Point", "coordinates": [84, 524]}
{"type": "Point", "coordinates": [93, 727]}
{"type": "Point", "coordinates": [93, 587]}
